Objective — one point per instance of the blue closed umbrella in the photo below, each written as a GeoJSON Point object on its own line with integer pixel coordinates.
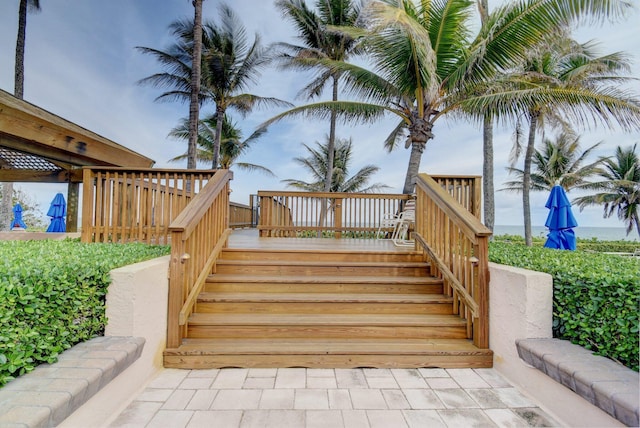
{"type": "Point", "coordinates": [57, 212]}
{"type": "Point", "coordinates": [17, 217]}
{"type": "Point", "coordinates": [560, 221]}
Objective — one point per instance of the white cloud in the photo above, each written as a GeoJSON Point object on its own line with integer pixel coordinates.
{"type": "Point", "coordinates": [82, 64]}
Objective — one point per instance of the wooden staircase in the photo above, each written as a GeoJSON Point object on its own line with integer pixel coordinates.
{"type": "Point", "coordinates": [324, 308]}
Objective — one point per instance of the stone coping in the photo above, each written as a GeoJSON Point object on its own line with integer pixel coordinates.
{"type": "Point", "coordinates": [606, 384]}
{"type": "Point", "coordinates": [51, 392]}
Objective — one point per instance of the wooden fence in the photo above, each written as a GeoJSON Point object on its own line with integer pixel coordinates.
{"type": "Point", "coordinates": [457, 245]}
{"type": "Point", "coordinates": [126, 205]}
{"type": "Point", "coordinates": [310, 214]}
{"type": "Point", "coordinates": [240, 216]}
{"type": "Point", "coordinates": [198, 235]}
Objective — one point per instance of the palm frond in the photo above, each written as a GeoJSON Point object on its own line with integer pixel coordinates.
{"type": "Point", "coordinates": [347, 111]}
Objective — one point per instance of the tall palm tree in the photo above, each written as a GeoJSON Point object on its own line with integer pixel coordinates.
{"type": "Point", "coordinates": [563, 64]}
{"type": "Point", "coordinates": [231, 144]}
{"type": "Point", "coordinates": [196, 73]}
{"type": "Point", "coordinates": [6, 201]}
{"type": "Point", "coordinates": [229, 66]}
{"type": "Point", "coordinates": [317, 164]}
{"type": "Point", "coordinates": [319, 42]}
{"type": "Point", "coordinates": [560, 161]}
{"type": "Point", "coordinates": [619, 189]}
{"type": "Point", "coordinates": [426, 66]}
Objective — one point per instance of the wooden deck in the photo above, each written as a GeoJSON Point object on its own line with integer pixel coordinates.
{"type": "Point", "coordinates": [248, 238]}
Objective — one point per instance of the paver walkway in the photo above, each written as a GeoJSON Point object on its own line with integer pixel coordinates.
{"type": "Point", "coordinates": [328, 398]}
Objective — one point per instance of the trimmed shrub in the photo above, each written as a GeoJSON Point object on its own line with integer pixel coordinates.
{"type": "Point", "coordinates": [595, 296]}
{"type": "Point", "coordinates": [52, 296]}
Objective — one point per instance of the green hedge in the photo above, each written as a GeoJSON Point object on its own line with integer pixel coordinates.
{"type": "Point", "coordinates": [52, 297]}
{"type": "Point", "coordinates": [591, 244]}
{"type": "Point", "coordinates": [595, 296]}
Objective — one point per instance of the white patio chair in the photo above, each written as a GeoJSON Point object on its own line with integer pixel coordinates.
{"type": "Point", "coordinates": [406, 219]}
{"type": "Point", "coordinates": [398, 224]}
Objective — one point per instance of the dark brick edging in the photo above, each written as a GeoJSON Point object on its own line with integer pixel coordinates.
{"type": "Point", "coordinates": [49, 394]}
{"type": "Point", "coordinates": [601, 381]}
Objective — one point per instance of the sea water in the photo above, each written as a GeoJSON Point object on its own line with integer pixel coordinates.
{"type": "Point", "coordinates": [582, 232]}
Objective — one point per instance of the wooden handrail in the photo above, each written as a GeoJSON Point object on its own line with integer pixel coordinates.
{"type": "Point", "coordinates": [456, 244]}
{"type": "Point", "coordinates": [198, 235]}
{"type": "Point", "coordinates": [324, 214]}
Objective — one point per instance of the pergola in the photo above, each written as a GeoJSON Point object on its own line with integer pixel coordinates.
{"type": "Point", "coordinates": [38, 146]}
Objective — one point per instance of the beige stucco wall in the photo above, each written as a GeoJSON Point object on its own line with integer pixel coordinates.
{"type": "Point", "coordinates": [136, 306]}
{"type": "Point", "coordinates": [521, 306]}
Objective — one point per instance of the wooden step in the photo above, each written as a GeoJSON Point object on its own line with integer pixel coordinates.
{"type": "Point", "coordinates": [323, 303]}
{"type": "Point", "coordinates": [332, 353]}
{"type": "Point", "coordinates": [323, 284]}
{"type": "Point", "coordinates": [321, 268]}
{"type": "Point", "coordinates": [317, 255]}
{"type": "Point", "coordinates": [424, 326]}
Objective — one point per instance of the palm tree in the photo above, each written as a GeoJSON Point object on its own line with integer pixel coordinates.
{"type": "Point", "coordinates": [319, 42]}
{"type": "Point", "coordinates": [317, 164]}
{"type": "Point", "coordinates": [563, 64]}
{"type": "Point", "coordinates": [560, 161]}
{"type": "Point", "coordinates": [619, 189]}
{"type": "Point", "coordinates": [196, 74]}
{"type": "Point", "coordinates": [229, 66]}
{"type": "Point", "coordinates": [18, 91]}
{"type": "Point", "coordinates": [231, 145]}
{"type": "Point", "coordinates": [426, 66]}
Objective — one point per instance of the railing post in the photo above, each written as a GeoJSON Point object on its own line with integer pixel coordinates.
{"type": "Point", "coordinates": [87, 204]}
{"type": "Point", "coordinates": [176, 279]}
{"type": "Point", "coordinates": [337, 217]}
{"type": "Point", "coordinates": [481, 332]}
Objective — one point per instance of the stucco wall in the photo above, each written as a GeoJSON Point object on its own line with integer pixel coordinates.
{"type": "Point", "coordinates": [136, 306]}
{"type": "Point", "coordinates": [521, 307]}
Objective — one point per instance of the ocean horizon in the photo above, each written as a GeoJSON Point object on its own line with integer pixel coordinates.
{"type": "Point", "coordinates": [582, 232]}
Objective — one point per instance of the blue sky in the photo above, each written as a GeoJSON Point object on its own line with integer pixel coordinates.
{"type": "Point", "coordinates": [81, 64]}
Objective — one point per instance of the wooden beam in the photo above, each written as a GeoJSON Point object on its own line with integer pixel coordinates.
{"type": "Point", "coordinates": [30, 176]}
{"type": "Point", "coordinates": [25, 122]}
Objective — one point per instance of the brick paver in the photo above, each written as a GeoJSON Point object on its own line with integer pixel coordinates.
{"type": "Point", "coordinates": [350, 398]}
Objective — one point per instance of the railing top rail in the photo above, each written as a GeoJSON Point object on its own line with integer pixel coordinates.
{"type": "Point", "coordinates": [188, 219]}
{"type": "Point", "coordinates": [455, 176]}
{"type": "Point", "coordinates": [158, 170]}
{"type": "Point", "coordinates": [461, 216]}
{"type": "Point", "coordinates": [268, 193]}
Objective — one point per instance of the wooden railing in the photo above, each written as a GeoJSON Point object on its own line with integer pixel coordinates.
{"type": "Point", "coordinates": [240, 216]}
{"type": "Point", "coordinates": [466, 189]}
{"type": "Point", "coordinates": [127, 205]}
{"type": "Point", "coordinates": [198, 235]}
{"type": "Point", "coordinates": [457, 245]}
{"type": "Point", "coordinates": [309, 214]}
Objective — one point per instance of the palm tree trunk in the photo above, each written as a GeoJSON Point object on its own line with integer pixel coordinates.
{"type": "Point", "coordinates": [331, 148]}
{"type": "Point", "coordinates": [18, 91]}
{"type": "Point", "coordinates": [332, 140]}
{"type": "Point", "coordinates": [216, 142]}
{"type": "Point", "coordinates": [5, 206]}
{"type": "Point", "coordinates": [489, 206]}
{"type": "Point", "coordinates": [412, 169]}
{"type": "Point", "coordinates": [526, 178]}
{"type": "Point", "coordinates": [194, 105]}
